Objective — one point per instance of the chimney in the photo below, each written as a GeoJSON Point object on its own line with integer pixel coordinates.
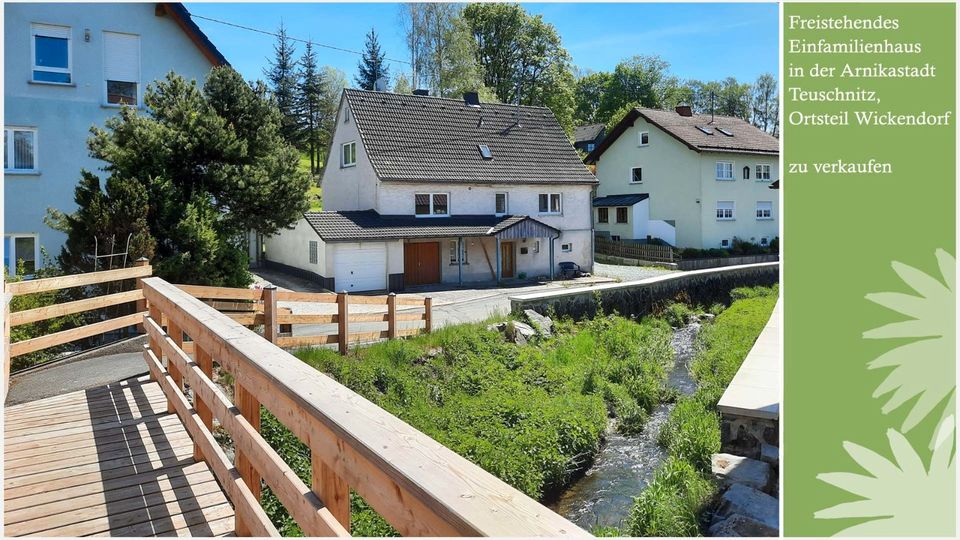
{"type": "Point", "coordinates": [472, 99]}
{"type": "Point", "coordinates": [684, 110]}
{"type": "Point", "coordinates": [421, 92]}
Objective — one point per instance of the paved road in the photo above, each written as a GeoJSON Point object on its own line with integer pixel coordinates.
{"type": "Point", "coordinates": [72, 376]}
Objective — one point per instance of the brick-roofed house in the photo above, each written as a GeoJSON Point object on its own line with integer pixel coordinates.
{"type": "Point", "coordinates": [703, 179]}
{"type": "Point", "coordinates": [421, 190]}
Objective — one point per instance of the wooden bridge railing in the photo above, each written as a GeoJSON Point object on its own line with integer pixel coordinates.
{"type": "Point", "coordinates": [419, 486]}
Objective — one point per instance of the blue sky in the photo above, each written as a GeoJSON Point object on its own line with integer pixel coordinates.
{"type": "Point", "coordinates": [701, 41]}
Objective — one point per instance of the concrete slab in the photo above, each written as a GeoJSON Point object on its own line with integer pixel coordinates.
{"type": "Point", "coordinates": [755, 389]}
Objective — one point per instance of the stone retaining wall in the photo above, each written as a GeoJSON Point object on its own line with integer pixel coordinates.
{"type": "Point", "coordinates": [702, 287]}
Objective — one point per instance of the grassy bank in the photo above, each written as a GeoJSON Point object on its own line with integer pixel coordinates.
{"type": "Point", "coordinates": [532, 415]}
{"type": "Point", "coordinates": [672, 504]}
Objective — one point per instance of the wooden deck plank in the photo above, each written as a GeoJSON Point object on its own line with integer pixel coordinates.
{"type": "Point", "coordinates": [107, 461]}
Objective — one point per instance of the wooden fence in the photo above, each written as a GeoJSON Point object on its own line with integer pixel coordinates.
{"type": "Point", "coordinates": [643, 252]}
{"type": "Point", "coordinates": [419, 486]}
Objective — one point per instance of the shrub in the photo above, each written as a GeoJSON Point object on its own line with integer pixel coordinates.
{"type": "Point", "coordinates": [677, 313]}
{"type": "Point", "coordinates": [671, 504]}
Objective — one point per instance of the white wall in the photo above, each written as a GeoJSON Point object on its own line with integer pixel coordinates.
{"type": "Point", "coordinates": [348, 188]}
{"type": "Point", "coordinates": [292, 248]}
{"type": "Point", "coordinates": [744, 194]}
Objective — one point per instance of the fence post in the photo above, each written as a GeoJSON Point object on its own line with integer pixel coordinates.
{"type": "Point", "coordinates": [205, 362]}
{"type": "Point", "coordinates": [176, 334]}
{"type": "Point", "coordinates": [270, 313]}
{"type": "Point", "coordinates": [392, 315]}
{"type": "Point", "coordinates": [7, 298]}
{"type": "Point", "coordinates": [250, 409]}
{"type": "Point", "coordinates": [343, 328]}
{"type": "Point", "coordinates": [428, 314]}
{"type": "Point", "coordinates": [142, 303]}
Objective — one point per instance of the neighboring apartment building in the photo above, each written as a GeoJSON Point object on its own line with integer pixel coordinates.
{"type": "Point", "coordinates": [423, 190]}
{"type": "Point", "coordinates": [68, 66]}
{"type": "Point", "coordinates": [690, 180]}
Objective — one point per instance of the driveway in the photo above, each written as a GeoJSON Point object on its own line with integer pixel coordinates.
{"type": "Point", "coordinates": [629, 273]}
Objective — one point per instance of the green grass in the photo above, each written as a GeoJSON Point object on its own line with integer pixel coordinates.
{"type": "Point", "coordinates": [316, 198]}
{"type": "Point", "coordinates": [531, 415]}
{"type": "Point", "coordinates": [672, 503]}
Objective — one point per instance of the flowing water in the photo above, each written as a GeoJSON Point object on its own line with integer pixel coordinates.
{"type": "Point", "coordinates": [625, 464]}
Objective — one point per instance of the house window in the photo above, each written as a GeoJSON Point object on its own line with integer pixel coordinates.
{"type": "Point", "coordinates": [314, 252]}
{"type": "Point", "coordinates": [603, 215]}
{"type": "Point", "coordinates": [636, 175]}
{"type": "Point", "coordinates": [764, 241]}
{"type": "Point", "coordinates": [19, 149]}
{"type": "Point", "coordinates": [644, 138]}
{"type": "Point", "coordinates": [536, 246]}
{"type": "Point", "coordinates": [348, 154]}
{"type": "Point", "coordinates": [746, 173]}
{"type": "Point", "coordinates": [431, 204]}
{"type": "Point", "coordinates": [453, 252]}
{"type": "Point", "coordinates": [724, 210]}
{"type": "Point", "coordinates": [725, 243]}
{"type": "Point", "coordinates": [500, 202]}
{"type": "Point", "coordinates": [566, 248]}
{"type": "Point", "coordinates": [590, 147]}
{"type": "Point", "coordinates": [615, 237]}
{"type": "Point", "coordinates": [23, 248]}
{"type": "Point", "coordinates": [51, 49]}
{"type": "Point", "coordinates": [550, 203]}
{"type": "Point", "coordinates": [763, 172]}
{"type": "Point", "coordinates": [485, 151]}
{"type": "Point", "coordinates": [121, 67]}
{"type": "Point", "coordinates": [764, 210]}
{"type": "Point", "coordinates": [724, 170]}
{"type": "Point", "coordinates": [622, 214]}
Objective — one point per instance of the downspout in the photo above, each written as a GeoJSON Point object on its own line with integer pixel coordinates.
{"type": "Point", "coordinates": [552, 262]}
{"type": "Point", "coordinates": [460, 260]}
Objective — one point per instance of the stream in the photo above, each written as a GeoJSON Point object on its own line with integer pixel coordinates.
{"type": "Point", "coordinates": [625, 465]}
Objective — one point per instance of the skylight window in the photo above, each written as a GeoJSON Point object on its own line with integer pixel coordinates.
{"type": "Point", "coordinates": [485, 151]}
{"type": "Point", "coordinates": [725, 131]}
{"type": "Point", "coordinates": [705, 129]}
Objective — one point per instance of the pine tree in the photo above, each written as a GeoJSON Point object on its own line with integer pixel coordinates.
{"type": "Point", "coordinates": [373, 65]}
{"type": "Point", "coordinates": [282, 76]}
{"type": "Point", "coordinates": [311, 89]}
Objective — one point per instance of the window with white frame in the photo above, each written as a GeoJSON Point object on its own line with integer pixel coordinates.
{"type": "Point", "coordinates": [725, 243]}
{"type": "Point", "coordinates": [763, 172]}
{"type": "Point", "coordinates": [121, 68]}
{"type": "Point", "coordinates": [636, 175]}
{"type": "Point", "coordinates": [52, 51]}
{"type": "Point", "coordinates": [17, 248]}
{"type": "Point", "coordinates": [764, 209]}
{"type": "Point", "coordinates": [724, 210]}
{"type": "Point", "coordinates": [566, 248]}
{"type": "Point", "coordinates": [536, 246]}
{"type": "Point", "coordinates": [19, 149]}
{"type": "Point", "coordinates": [314, 252]}
{"type": "Point", "coordinates": [501, 206]}
{"type": "Point", "coordinates": [550, 203]}
{"type": "Point", "coordinates": [643, 139]}
{"type": "Point", "coordinates": [348, 154]}
{"type": "Point", "coordinates": [431, 204]}
{"type": "Point", "coordinates": [724, 170]}
{"type": "Point", "coordinates": [590, 147]}
{"type": "Point", "coordinates": [453, 252]}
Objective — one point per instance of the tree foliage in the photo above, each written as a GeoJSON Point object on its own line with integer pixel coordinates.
{"type": "Point", "coordinates": [373, 66]}
{"type": "Point", "coordinates": [311, 89]}
{"type": "Point", "coordinates": [188, 178]}
{"type": "Point", "coordinates": [765, 104]}
{"type": "Point", "coordinates": [281, 74]}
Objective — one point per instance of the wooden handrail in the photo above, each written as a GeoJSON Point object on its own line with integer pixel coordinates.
{"type": "Point", "coordinates": [69, 308]}
{"type": "Point", "coordinates": [419, 486]}
{"type": "Point", "coordinates": [77, 280]}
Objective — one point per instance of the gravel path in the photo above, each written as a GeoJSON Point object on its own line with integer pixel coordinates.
{"type": "Point", "coordinates": [629, 273]}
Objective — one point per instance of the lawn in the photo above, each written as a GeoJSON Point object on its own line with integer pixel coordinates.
{"type": "Point", "coordinates": [314, 193]}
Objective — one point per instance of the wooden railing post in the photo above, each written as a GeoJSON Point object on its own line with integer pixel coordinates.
{"type": "Point", "coordinates": [249, 407]}
{"type": "Point", "coordinates": [343, 326]}
{"type": "Point", "coordinates": [205, 362]}
{"type": "Point", "coordinates": [7, 298]}
{"type": "Point", "coordinates": [392, 315]}
{"type": "Point", "coordinates": [176, 334]}
{"type": "Point", "coordinates": [270, 314]}
{"type": "Point", "coordinates": [332, 489]}
{"type": "Point", "coordinates": [157, 317]}
{"type": "Point", "coordinates": [428, 315]}
{"type": "Point", "coordinates": [142, 303]}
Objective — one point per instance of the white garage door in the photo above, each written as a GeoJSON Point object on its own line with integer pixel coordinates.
{"type": "Point", "coordinates": [360, 267]}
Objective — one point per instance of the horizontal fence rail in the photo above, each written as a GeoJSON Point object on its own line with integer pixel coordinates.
{"type": "Point", "coordinates": [419, 486]}
{"type": "Point", "coordinates": [629, 250]}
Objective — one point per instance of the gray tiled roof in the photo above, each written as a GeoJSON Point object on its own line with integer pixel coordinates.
{"type": "Point", "coordinates": [428, 139]}
{"type": "Point", "coordinates": [621, 200]}
{"type": "Point", "coordinates": [746, 138]}
{"type": "Point", "coordinates": [369, 225]}
{"type": "Point", "coordinates": [587, 133]}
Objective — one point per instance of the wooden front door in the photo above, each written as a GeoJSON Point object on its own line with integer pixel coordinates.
{"type": "Point", "coordinates": [421, 263]}
{"type": "Point", "coordinates": [507, 261]}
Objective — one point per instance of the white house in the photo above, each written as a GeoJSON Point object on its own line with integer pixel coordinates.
{"type": "Point", "coordinates": [423, 190]}
{"type": "Point", "coordinates": [68, 66]}
{"type": "Point", "coordinates": [690, 180]}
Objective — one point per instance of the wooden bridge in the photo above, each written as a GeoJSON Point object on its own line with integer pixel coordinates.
{"type": "Point", "coordinates": [139, 458]}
